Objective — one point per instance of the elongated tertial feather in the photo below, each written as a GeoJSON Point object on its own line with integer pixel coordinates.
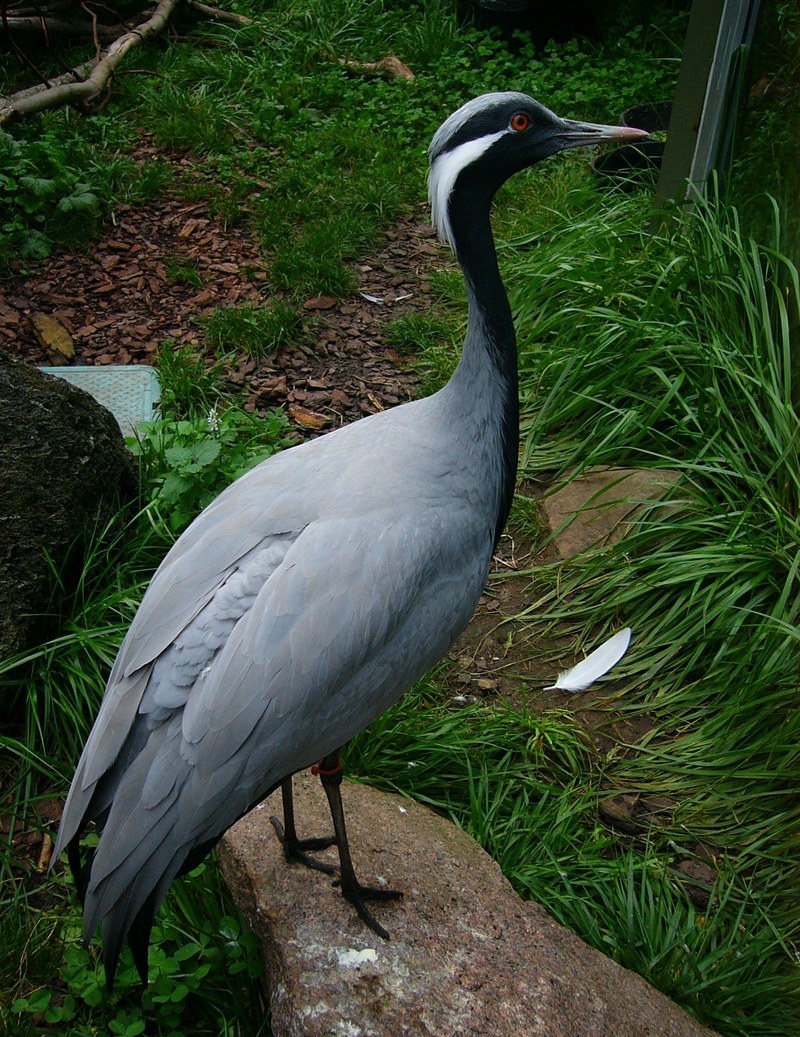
{"type": "Point", "coordinates": [595, 664]}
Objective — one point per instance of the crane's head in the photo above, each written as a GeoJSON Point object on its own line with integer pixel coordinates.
{"type": "Point", "coordinates": [496, 135]}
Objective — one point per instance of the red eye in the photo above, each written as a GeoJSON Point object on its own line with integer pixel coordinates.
{"type": "Point", "coordinates": [519, 122]}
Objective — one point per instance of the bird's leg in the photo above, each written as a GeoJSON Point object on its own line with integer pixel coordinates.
{"type": "Point", "coordinates": [295, 849]}
{"type": "Point", "coordinates": [330, 773]}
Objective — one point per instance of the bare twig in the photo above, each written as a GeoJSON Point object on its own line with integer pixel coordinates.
{"type": "Point", "coordinates": [72, 88]}
{"type": "Point", "coordinates": [228, 17]}
{"type": "Point", "coordinates": [93, 15]}
{"type": "Point", "coordinates": [20, 53]}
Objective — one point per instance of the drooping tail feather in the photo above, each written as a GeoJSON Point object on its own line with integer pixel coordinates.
{"type": "Point", "coordinates": [80, 869]}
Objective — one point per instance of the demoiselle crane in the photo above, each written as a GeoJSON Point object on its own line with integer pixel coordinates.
{"type": "Point", "coordinates": [316, 589]}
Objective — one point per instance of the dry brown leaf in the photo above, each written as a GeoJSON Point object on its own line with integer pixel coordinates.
{"type": "Point", "coordinates": [306, 418]}
{"type": "Point", "coordinates": [55, 338]}
{"type": "Point", "coordinates": [319, 302]}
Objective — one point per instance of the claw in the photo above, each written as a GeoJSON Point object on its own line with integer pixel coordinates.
{"type": "Point", "coordinates": [357, 894]}
{"type": "Point", "coordinates": [330, 772]}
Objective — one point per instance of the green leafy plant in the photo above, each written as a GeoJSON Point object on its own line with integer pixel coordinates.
{"type": "Point", "coordinates": [42, 196]}
{"type": "Point", "coordinates": [188, 462]}
{"type": "Point", "coordinates": [197, 951]}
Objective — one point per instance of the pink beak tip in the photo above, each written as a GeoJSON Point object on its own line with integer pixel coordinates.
{"type": "Point", "coordinates": [631, 133]}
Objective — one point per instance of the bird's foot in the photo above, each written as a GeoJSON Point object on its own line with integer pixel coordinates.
{"type": "Point", "coordinates": [356, 894]}
{"type": "Point", "coordinates": [300, 849]}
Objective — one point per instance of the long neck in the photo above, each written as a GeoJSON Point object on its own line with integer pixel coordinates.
{"type": "Point", "coordinates": [488, 366]}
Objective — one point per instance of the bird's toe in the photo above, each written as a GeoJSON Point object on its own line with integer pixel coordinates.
{"type": "Point", "coordinates": [300, 850]}
{"type": "Point", "coordinates": [356, 894]}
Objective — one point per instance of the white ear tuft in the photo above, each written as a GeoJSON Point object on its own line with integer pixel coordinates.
{"type": "Point", "coordinates": [443, 174]}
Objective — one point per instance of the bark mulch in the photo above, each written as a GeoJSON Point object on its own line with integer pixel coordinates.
{"type": "Point", "coordinates": [119, 301]}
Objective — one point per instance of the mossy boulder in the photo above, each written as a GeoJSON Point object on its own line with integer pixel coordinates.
{"type": "Point", "coordinates": [64, 473]}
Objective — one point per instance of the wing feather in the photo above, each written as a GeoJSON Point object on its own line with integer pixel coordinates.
{"type": "Point", "coordinates": [273, 702]}
{"type": "Point", "coordinates": [194, 572]}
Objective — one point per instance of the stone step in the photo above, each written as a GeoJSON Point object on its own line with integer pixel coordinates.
{"type": "Point", "coordinates": [596, 508]}
{"type": "Point", "coordinates": [467, 957]}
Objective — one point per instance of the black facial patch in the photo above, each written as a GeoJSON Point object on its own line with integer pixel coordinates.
{"type": "Point", "coordinates": [496, 118]}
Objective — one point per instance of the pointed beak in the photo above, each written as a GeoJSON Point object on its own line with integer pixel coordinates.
{"type": "Point", "coordinates": [578, 134]}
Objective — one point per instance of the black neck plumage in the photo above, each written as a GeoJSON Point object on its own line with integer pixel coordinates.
{"type": "Point", "coordinates": [491, 327]}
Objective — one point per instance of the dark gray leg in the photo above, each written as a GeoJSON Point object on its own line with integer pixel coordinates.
{"type": "Point", "coordinates": [295, 849]}
{"type": "Point", "coordinates": [330, 772]}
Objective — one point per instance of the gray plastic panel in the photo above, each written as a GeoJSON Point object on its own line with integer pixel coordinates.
{"type": "Point", "coordinates": [130, 392]}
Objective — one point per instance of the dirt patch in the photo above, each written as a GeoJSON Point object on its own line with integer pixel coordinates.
{"type": "Point", "coordinates": [499, 657]}
{"type": "Point", "coordinates": [120, 299]}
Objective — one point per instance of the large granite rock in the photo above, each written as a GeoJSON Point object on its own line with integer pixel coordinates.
{"type": "Point", "coordinates": [64, 469]}
{"type": "Point", "coordinates": [467, 957]}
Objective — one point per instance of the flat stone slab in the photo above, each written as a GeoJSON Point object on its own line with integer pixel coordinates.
{"type": "Point", "coordinates": [467, 957]}
{"type": "Point", "coordinates": [596, 508]}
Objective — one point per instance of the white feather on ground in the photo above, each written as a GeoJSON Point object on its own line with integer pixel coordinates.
{"type": "Point", "coordinates": [595, 664]}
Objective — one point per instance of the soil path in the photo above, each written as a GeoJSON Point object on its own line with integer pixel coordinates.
{"type": "Point", "coordinates": [121, 299]}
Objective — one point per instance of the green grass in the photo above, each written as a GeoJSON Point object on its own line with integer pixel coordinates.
{"type": "Point", "coordinates": [271, 126]}
{"type": "Point", "coordinates": [419, 333]}
{"type": "Point", "coordinates": [190, 383]}
{"type": "Point", "coordinates": [526, 786]}
{"type": "Point", "coordinates": [677, 351]}
{"type": "Point", "coordinates": [253, 330]}
{"type": "Point", "coordinates": [183, 271]}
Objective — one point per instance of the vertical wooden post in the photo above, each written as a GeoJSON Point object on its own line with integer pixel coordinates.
{"type": "Point", "coordinates": [704, 105]}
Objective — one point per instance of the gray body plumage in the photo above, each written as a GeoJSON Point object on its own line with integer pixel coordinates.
{"type": "Point", "coordinates": [312, 592]}
{"type": "Point", "coordinates": [299, 606]}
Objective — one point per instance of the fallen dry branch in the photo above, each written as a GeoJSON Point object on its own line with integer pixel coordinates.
{"type": "Point", "coordinates": [74, 75]}
{"type": "Point", "coordinates": [390, 67]}
{"type": "Point", "coordinates": [89, 80]}
{"type": "Point", "coordinates": [55, 26]}
{"type": "Point", "coordinates": [74, 90]}
{"type": "Point", "coordinates": [227, 17]}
